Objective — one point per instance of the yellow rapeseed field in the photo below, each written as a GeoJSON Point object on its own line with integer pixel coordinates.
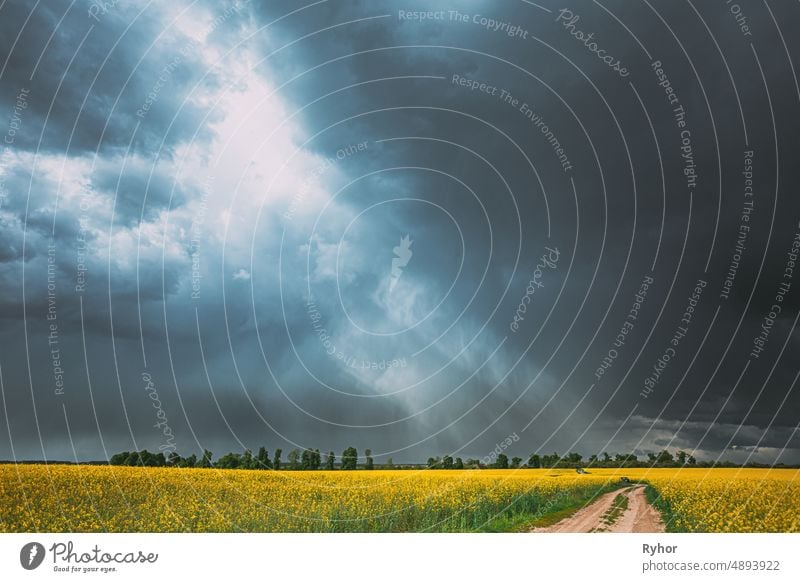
{"type": "Point", "coordinates": [64, 498]}
{"type": "Point", "coordinates": [723, 500]}
{"type": "Point", "coordinates": [131, 499]}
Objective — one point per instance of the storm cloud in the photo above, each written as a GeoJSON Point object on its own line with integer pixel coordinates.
{"type": "Point", "coordinates": [413, 228]}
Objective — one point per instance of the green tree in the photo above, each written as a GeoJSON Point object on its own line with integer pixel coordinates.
{"type": "Point", "coordinates": [229, 461]}
{"type": "Point", "coordinates": [550, 461]}
{"type": "Point", "coordinates": [148, 459]}
{"type": "Point", "coordinates": [262, 459]}
{"type": "Point", "coordinates": [294, 459]}
{"type": "Point", "coordinates": [349, 459]}
{"type": "Point", "coordinates": [447, 462]}
{"type": "Point", "coordinates": [205, 462]}
{"type": "Point", "coordinates": [502, 461]}
{"type": "Point", "coordinates": [368, 462]}
{"type": "Point", "coordinates": [119, 458]}
{"type": "Point", "coordinates": [389, 463]}
{"type": "Point", "coordinates": [516, 462]}
{"type": "Point", "coordinates": [682, 457]}
{"type": "Point", "coordinates": [665, 458]}
{"type": "Point", "coordinates": [459, 463]}
{"type": "Point", "coordinates": [247, 460]}
{"type": "Point", "coordinates": [534, 462]}
{"type": "Point", "coordinates": [330, 461]}
{"type": "Point", "coordinates": [276, 460]}
{"type": "Point", "coordinates": [190, 461]}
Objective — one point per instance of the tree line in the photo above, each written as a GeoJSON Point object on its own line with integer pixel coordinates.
{"type": "Point", "coordinates": [571, 460]}
{"type": "Point", "coordinates": [297, 460]}
{"type": "Point", "coordinates": [312, 460]}
{"type": "Point", "coordinates": [575, 461]}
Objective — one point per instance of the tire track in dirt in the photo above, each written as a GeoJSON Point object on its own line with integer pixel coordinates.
{"type": "Point", "coordinates": [604, 515]}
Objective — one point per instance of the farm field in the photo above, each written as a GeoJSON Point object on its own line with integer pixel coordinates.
{"type": "Point", "coordinates": [722, 500]}
{"type": "Point", "coordinates": [66, 498]}
{"type": "Point", "coordinates": [730, 500]}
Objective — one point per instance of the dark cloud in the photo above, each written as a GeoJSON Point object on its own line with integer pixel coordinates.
{"type": "Point", "coordinates": [88, 77]}
{"type": "Point", "coordinates": [207, 289]}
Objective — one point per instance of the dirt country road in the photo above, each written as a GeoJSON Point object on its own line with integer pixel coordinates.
{"type": "Point", "coordinates": [621, 511]}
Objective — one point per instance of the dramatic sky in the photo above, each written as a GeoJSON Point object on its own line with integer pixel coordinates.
{"type": "Point", "coordinates": [340, 223]}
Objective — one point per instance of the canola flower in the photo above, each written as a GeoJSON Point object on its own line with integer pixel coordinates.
{"type": "Point", "coordinates": [65, 498]}
{"type": "Point", "coordinates": [723, 500]}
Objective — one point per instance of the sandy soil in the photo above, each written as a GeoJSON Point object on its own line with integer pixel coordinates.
{"type": "Point", "coordinates": [639, 516]}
